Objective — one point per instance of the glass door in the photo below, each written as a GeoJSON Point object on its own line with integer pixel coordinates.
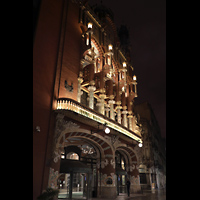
{"type": "Point", "coordinates": [121, 184]}
{"type": "Point", "coordinates": [79, 186]}
{"type": "Point", "coordinates": [64, 182]}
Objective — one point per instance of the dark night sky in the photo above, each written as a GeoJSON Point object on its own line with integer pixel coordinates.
{"type": "Point", "coordinates": [146, 21]}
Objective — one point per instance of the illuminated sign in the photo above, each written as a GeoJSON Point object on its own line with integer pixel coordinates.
{"type": "Point", "coordinates": [69, 105]}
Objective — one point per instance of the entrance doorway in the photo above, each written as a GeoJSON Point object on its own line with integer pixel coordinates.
{"type": "Point", "coordinates": [76, 190]}
{"type": "Point", "coordinates": [121, 173]}
{"type": "Point", "coordinates": [121, 186]}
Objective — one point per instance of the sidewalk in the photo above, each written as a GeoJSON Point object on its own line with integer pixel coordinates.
{"type": "Point", "coordinates": [120, 197]}
{"type": "Point", "coordinates": [156, 194]}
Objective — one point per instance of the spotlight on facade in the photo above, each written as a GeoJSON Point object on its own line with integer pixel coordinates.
{"type": "Point", "coordinates": [107, 130]}
{"type": "Point", "coordinates": [134, 78]}
{"type": "Point", "coordinates": [140, 144]}
{"type": "Point", "coordinates": [89, 25]}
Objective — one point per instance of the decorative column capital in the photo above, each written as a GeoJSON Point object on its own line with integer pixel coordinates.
{"type": "Point", "coordinates": [111, 97]}
{"type": "Point", "coordinates": [124, 108]}
{"type": "Point", "coordinates": [80, 79]}
{"type": "Point", "coordinates": [124, 112]}
{"type": "Point", "coordinates": [111, 101]}
{"type": "Point", "coordinates": [91, 88]}
{"type": "Point", "coordinates": [102, 91]}
{"type": "Point", "coordinates": [102, 96]}
{"type": "Point", "coordinates": [118, 103]}
{"type": "Point", "coordinates": [92, 83]}
{"type": "Point", "coordinates": [130, 116]}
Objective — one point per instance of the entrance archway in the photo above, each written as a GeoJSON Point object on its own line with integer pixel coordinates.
{"type": "Point", "coordinates": [81, 176]}
{"type": "Point", "coordinates": [132, 167]}
{"type": "Point", "coordinates": [68, 133]}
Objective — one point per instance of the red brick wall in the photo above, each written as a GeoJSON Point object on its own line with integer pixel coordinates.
{"type": "Point", "coordinates": [44, 66]}
{"type": "Point", "coordinates": [71, 53]}
{"type": "Point", "coordinates": [46, 74]}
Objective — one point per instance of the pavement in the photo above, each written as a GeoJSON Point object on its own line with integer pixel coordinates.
{"type": "Point", "coordinates": [147, 195]}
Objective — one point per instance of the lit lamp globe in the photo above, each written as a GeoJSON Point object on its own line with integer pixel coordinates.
{"type": "Point", "coordinates": [107, 130]}
{"type": "Point", "coordinates": [134, 78]}
{"type": "Point", "coordinates": [110, 47]}
{"type": "Point", "coordinates": [140, 144]}
{"type": "Point", "coordinates": [124, 64]}
{"type": "Point", "coordinates": [89, 25]}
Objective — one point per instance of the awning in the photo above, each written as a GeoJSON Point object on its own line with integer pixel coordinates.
{"type": "Point", "coordinates": [67, 166]}
{"type": "Point", "coordinates": [120, 171]}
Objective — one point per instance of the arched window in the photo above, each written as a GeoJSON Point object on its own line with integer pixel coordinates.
{"type": "Point", "coordinates": [72, 156]}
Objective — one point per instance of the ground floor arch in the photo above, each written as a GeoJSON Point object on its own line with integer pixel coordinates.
{"type": "Point", "coordinates": [100, 171]}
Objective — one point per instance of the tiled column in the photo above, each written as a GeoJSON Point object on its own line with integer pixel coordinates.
{"type": "Point", "coordinates": [130, 119]}
{"type": "Point", "coordinates": [118, 112]}
{"type": "Point", "coordinates": [124, 112]}
{"type": "Point", "coordinates": [80, 80]}
{"type": "Point", "coordinates": [111, 102]}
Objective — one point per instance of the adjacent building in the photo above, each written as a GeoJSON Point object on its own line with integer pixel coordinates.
{"type": "Point", "coordinates": [153, 165]}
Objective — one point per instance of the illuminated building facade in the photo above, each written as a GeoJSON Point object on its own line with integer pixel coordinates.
{"type": "Point", "coordinates": [85, 134]}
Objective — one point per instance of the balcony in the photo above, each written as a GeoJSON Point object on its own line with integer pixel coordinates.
{"type": "Point", "coordinates": [67, 104]}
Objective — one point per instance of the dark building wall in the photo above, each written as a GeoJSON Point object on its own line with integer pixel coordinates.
{"type": "Point", "coordinates": [71, 52]}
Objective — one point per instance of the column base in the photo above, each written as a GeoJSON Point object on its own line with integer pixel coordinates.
{"type": "Point", "coordinates": [108, 192]}
{"type": "Point", "coordinates": [134, 189]}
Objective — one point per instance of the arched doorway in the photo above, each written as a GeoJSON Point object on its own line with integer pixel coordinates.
{"type": "Point", "coordinates": [121, 173]}
{"type": "Point", "coordinates": [74, 180]}
{"type": "Point", "coordinates": [129, 159]}
{"type": "Point", "coordinates": [84, 153]}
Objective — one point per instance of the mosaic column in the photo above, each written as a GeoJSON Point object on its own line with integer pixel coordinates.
{"type": "Point", "coordinates": [118, 112]}
{"type": "Point", "coordinates": [102, 108]}
{"type": "Point", "coordinates": [80, 80]}
{"type": "Point", "coordinates": [130, 119]}
{"type": "Point", "coordinates": [91, 89]}
{"type": "Point", "coordinates": [111, 102]}
{"type": "Point", "coordinates": [107, 109]}
{"type": "Point", "coordinates": [124, 112]}
{"type": "Point", "coordinates": [107, 181]}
